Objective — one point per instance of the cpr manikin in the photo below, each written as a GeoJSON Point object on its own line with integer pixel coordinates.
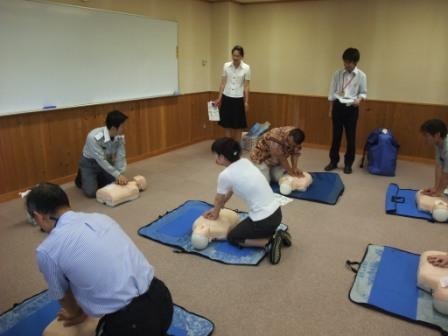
{"type": "Point", "coordinates": [437, 206]}
{"type": "Point", "coordinates": [290, 183]}
{"type": "Point", "coordinates": [114, 194]}
{"type": "Point", "coordinates": [86, 328]}
{"type": "Point", "coordinates": [206, 230]}
{"type": "Point", "coordinates": [434, 279]}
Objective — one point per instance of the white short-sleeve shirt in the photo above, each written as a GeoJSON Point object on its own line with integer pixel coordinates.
{"type": "Point", "coordinates": [235, 79]}
{"type": "Point", "coordinates": [247, 182]}
{"type": "Point", "coordinates": [348, 85]}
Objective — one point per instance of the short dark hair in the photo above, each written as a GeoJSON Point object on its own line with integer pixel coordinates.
{"type": "Point", "coordinates": [115, 119]}
{"type": "Point", "coordinates": [46, 198]}
{"type": "Point", "coordinates": [239, 49]}
{"type": "Point", "coordinates": [351, 55]}
{"type": "Point", "coordinates": [298, 135]}
{"type": "Point", "coordinates": [227, 147]}
{"type": "Point", "coordinates": [434, 126]}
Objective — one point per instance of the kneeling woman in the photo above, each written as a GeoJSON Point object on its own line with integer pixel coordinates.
{"type": "Point", "coordinates": [245, 180]}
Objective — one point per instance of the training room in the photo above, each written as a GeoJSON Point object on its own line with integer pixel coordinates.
{"type": "Point", "coordinates": [244, 167]}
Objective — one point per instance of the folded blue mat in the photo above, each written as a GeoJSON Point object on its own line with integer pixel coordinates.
{"type": "Point", "coordinates": [386, 280]}
{"type": "Point", "coordinates": [401, 202]}
{"type": "Point", "coordinates": [175, 228]}
{"type": "Point", "coordinates": [326, 188]}
{"type": "Point", "coordinates": [31, 317]}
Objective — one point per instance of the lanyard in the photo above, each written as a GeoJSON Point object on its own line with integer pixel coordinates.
{"type": "Point", "coordinates": [344, 86]}
{"type": "Point", "coordinates": [56, 219]}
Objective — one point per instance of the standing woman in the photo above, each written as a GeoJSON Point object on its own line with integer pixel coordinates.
{"type": "Point", "coordinates": [233, 98]}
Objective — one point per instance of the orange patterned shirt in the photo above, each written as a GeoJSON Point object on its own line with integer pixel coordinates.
{"type": "Point", "coordinates": [273, 144]}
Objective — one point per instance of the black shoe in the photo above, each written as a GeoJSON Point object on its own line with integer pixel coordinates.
{"type": "Point", "coordinates": [286, 238]}
{"type": "Point", "coordinates": [276, 247]}
{"type": "Point", "coordinates": [348, 170]}
{"type": "Point", "coordinates": [331, 166]}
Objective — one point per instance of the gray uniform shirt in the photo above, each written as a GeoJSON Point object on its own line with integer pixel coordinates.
{"type": "Point", "coordinates": [442, 154]}
{"type": "Point", "coordinates": [109, 154]}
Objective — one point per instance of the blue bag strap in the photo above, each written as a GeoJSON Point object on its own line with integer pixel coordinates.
{"type": "Point", "coordinates": [371, 139]}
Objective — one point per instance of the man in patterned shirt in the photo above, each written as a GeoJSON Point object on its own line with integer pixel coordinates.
{"type": "Point", "coordinates": [274, 148]}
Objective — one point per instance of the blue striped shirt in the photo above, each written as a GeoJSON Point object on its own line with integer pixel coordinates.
{"type": "Point", "coordinates": [93, 256]}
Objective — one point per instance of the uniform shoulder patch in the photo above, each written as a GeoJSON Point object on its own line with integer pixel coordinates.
{"type": "Point", "coordinates": [99, 135]}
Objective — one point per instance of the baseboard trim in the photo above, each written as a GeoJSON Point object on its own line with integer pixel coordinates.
{"type": "Point", "coordinates": [359, 152]}
{"type": "Point", "coordinates": [61, 180]}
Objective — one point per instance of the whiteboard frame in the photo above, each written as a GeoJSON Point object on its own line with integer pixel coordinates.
{"type": "Point", "coordinates": [173, 94]}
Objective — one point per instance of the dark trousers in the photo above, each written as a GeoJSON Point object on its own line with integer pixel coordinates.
{"type": "Point", "coordinates": [91, 176]}
{"type": "Point", "coordinates": [248, 229]}
{"type": "Point", "coordinates": [344, 117]}
{"type": "Point", "coordinates": [148, 314]}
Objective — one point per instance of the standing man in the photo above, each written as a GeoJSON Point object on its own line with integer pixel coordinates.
{"type": "Point", "coordinates": [94, 269]}
{"type": "Point", "coordinates": [348, 88]}
{"type": "Point", "coordinates": [103, 158]}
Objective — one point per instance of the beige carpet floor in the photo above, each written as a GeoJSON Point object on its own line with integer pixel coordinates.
{"type": "Point", "coordinates": [306, 294]}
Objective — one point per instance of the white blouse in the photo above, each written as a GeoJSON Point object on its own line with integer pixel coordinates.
{"type": "Point", "coordinates": [235, 79]}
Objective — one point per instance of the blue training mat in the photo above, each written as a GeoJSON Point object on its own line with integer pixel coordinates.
{"type": "Point", "coordinates": [326, 188]}
{"type": "Point", "coordinates": [401, 202]}
{"type": "Point", "coordinates": [386, 280]}
{"type": "Point", "coordinates": [32, 316]}
{"type": "Point", "coordinates": [175, 228]}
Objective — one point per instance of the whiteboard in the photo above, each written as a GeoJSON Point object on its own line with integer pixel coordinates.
{"type": "Point", "coordinates": [58, 56]}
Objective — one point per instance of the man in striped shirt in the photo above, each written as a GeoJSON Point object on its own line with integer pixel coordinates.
{"type": "Point", "coordinates": [94, 269]}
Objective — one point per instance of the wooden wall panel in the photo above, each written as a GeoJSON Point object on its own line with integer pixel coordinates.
{"type": "Point", "coordinates": [311, 114]}
{"type": "Point", "coordinates": [45, 146]}
{"type": "Point", "coordinates": [200, 126]}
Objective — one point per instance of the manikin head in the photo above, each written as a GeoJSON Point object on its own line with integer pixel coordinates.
{"type": "Point", "coordinates": [290, 183]}
{"type": "Point", "coordinates": [440, 211]}
{"type": "Point", "coordinates": [206, 230]}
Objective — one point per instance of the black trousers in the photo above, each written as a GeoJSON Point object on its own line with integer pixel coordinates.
{"type": "Point", "coordinates": [148, 314]}
{"type": "Point", "coordinates": [344, 117]}
{"type": "Point", "coordinates": [248, 229]}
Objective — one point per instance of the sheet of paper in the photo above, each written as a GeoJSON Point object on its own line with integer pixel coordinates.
{"type": "Point", "coordinates": [213, 111]}
{"type": "Point", "coordinates": [347, 101]}
{"type": "Point", "coordinates": [282, 200]}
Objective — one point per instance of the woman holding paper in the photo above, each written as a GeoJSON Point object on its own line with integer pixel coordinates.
{"type": "Point", "coordinates": [233, 99]}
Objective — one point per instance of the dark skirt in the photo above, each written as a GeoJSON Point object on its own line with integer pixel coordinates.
{"type": "Point", "coordinates": [231, 113]}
